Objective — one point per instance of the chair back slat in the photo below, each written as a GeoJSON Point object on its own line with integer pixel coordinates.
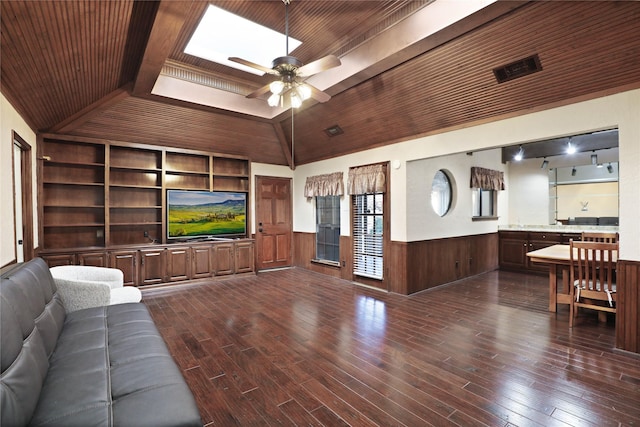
{"type": "Point", "coordinates": [593, 265]}
{"type": "Point", "coordinates": [599, 236]}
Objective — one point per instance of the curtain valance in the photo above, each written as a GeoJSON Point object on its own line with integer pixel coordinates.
{"type": "Point", "coordinates": [329, 184]}
{"type": "Point", "coordinates": [487, 179]}
{"type": "Point", "coordinates": [367, 179]}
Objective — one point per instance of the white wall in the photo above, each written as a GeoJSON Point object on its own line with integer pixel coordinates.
{"type": "Point", "coordinates": [423, 223]}
{"type": "Point", "coordinates": [528, 193]}
{"type": "Point", "coordinates": [10, 121]}
{"type": "Point", "coordinates": [620, 110]}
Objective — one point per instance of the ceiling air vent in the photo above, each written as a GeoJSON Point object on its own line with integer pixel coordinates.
{"type": "Point", "coordinates": [333, 131]}
{"type": "Point", "coordinates": [518, 69]}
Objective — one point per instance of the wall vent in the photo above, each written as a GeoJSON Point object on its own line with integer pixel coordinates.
{"type": "Point", "coordinates": [517, 69]}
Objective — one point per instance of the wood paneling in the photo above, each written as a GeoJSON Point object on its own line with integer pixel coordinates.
{"type": "Point", "coordinates": [304, 251]}
{"type": "Point", "coordinates": [70, 66]}
{"type": "Point", "coordinates": [628, 306]}
{"type": "Point", "coordinates": [412, 266]}
{"type": "Point", "coordinates": [435, 262]}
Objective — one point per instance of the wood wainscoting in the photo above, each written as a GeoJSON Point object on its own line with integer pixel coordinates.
{"type": "Point", "coordinates": [304, 251]}
{"type": "Point", "coordinates": [435, 262]}
{"type": "Point", "coordinates": [412, 266]}
{"type": "Point", "coordinates": [627, 316]}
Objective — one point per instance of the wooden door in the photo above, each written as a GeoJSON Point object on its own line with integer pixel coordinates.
{"type": "Point", "coordinates": [273, 222]}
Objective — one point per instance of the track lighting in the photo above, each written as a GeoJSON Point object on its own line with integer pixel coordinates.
{"type": "Point", "coordinates": [594, 159]}
{"type": "Point", "coordinates": [571, 149]}
{"type": "Point", "coordinates": [573, 171]}
{"type": "Point", "coordinates": [610, 168]}
{"type": "Point", "coordinates": [545, 163]}
{"type": "Point", "coordinates": [519, 155]}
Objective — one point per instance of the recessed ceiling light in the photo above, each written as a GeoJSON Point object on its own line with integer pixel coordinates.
{"type": "Point", "coordinates": [221, 34]}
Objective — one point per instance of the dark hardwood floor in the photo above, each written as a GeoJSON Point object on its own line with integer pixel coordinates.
{"type": "Point", "coordinates": [293, 347]}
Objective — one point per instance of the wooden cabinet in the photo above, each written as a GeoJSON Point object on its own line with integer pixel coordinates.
{"type": "Point", "coordinates": [146, 265]}
{"type": "Point", "coordinates": [245, 257]}
{"type": "Point", "coordinates": [178, 264]}
{"type": "Point", "coordinates": [127, 261]}
{"type": "Point", "coordinates": [201, 262]}
{"type": "Point", "coordinates": [514, 246]}
{"type": "Point", "coordinates": [54, 260]}
{"type": "Point", "coordinates": [152, 266]}
{"type": "Point", "coordinates": [539, 240]}
{"type": "Point", "coordinates": [223, 257]}
{"type": "Point", "coordinates": [513, 250]}
{"type": "Point", "coordinates": [95, 259]}
{"type": "Point", "coordinates": [100, 194]}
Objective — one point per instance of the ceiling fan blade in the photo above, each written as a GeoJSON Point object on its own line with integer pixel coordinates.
{"type": "Point", "coordinates": [252, 65]}
{"type": "Point", "coordinates": [318, 66]}
{"type": "Point", "coordinates": [259, 92]}
{"type": "Point", "coordinates": [318, 95]}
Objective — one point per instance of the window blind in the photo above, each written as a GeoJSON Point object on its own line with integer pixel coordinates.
{"type": "Point", "coordinates": [367, 235]}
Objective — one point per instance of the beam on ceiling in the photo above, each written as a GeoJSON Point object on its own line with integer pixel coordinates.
{"type": "Point", "coordinates": [277, 127]}
{"type": "Point", "coordinates": [166, 29]}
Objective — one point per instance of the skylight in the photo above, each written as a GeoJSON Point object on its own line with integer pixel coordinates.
{"type": "Point", "coordinates": [222, 34]}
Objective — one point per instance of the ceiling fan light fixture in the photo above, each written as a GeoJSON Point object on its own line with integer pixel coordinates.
{"type": "Point", "coordinates": [274, 100]}
{"type": "Point", "coordinates": [296, 100]}
{"type": "Point", "coordinates": [276, 87]}
{"type": "Point", "coordinates": [304, 91]}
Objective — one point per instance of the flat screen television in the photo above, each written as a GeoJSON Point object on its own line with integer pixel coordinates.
{"type": "Point", "coordinates": [195, 214]}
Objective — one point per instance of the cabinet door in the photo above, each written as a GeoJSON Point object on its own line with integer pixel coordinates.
{"type": "Point", "coordinates": [127, 262]}
{"type": "Point", "coordinates": [539, 241]}
{"type": "Point", "coordinates": [95, 259]}
{"type": "Point", "coordinates": [245, 257]}
{"type": "Point", "coordinates": [223, 259]}
{"type": "Point", "coordinates": [513, 253]}
{"type": "Point", "coordinates": [152, 266]}
{"type": "Point", "coordinates": [59, 259]}
{"type": "Point", "coordinates": [178, 264]}
{"type": "Point", "coordinates": [201, 265]}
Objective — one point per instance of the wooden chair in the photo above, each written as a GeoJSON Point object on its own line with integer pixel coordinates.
{"type": "Point", "coordinates": [592, 277]}
{"type": "Point", "coordinates": [599, 236]}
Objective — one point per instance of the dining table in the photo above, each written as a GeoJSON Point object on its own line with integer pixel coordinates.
{"type": "Point", "coordinates": [558, 258]}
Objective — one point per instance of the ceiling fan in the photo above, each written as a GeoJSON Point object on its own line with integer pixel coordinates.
{"type": "Point", "coordinates": [290, 89]}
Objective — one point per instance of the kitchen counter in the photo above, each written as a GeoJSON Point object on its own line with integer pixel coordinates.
{"type": "Point", "coordinates": [558, 228]}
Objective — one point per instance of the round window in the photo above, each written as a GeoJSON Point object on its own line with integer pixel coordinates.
{"type": "Point", "coordinates": [441, 193]}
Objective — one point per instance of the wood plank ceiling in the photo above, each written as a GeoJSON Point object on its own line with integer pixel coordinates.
{"type": "Point", "coordinates": [86, 68]}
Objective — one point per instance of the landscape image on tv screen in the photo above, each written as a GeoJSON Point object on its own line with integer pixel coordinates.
{"type": "Point", "coordinates": [206, 214]}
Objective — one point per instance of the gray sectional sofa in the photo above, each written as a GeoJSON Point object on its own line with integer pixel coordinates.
{"type": "Point", "coordinates": [102, 366]}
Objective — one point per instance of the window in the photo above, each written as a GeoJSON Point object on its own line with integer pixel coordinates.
{"type": "Point", "coordinates": [328, 228]}
{"type": "Point", "coordinates": [485, 184]}
{"type": "Point", "coordinates": [367, 234]}
{"type": "Point", "coordinates": [484, 203]}
{"type": "Point", "coordinates": [441, 193]}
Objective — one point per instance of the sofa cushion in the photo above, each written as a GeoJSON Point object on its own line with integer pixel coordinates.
{"type": "Point", "coordinates": [112, 367]}
{"type": "Point", "coordinates": [31, 318]}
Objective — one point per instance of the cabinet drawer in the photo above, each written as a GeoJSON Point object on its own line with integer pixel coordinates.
{"type": "Point", "coordinates": [548, 237]}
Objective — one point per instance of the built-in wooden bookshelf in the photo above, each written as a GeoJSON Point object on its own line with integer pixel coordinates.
{"type": "Point", "coordinates": [98, 193]}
